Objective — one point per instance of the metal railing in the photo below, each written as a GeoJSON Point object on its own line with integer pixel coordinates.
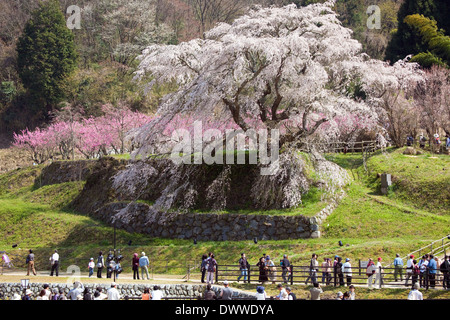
{"type": "Point", "coordinates": [383, 276]}
{"type": "Point", "coordinates": [342, 147]}
{"type": "Point", "coordinates": [437, 247]}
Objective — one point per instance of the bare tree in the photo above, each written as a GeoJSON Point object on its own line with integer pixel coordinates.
{"type": "Point", "coordinates": [209, 12]}
{"type": "Point", "coordinates": [432, 99]}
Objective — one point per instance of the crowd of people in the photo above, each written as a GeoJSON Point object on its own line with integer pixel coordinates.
{"type": "Point", "coordinates": [81, 292]}
{"type": "Point", "coordinates": [423, 273]}
{"type": "Point", "coordinates": [436, 141]}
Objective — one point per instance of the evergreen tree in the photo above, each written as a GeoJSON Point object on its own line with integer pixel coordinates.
{"type": "Point", "coordinates": [405, 40]}
{"type": "Point", "coordinates": [46, 56]}
{"type": "Point", "coordinates": [438, 44]}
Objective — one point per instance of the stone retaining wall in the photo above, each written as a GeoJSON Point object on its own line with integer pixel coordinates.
{"type": "Point", "coordinates": [140, 218]}
{"type": "Point", "coordinates": [131, 290]}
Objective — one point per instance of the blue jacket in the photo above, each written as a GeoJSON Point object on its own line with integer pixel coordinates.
{"type": "Point", "coordinates": [398, 262]}
{"type": "Point", "coordinates": [143, 261]}
{"type": "Point", "coordinates": [432, 266]}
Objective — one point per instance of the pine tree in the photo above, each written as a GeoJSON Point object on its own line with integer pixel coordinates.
{"type": "Point", "coordinates": [46, 55]}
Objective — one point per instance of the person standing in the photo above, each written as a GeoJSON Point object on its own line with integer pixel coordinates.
{"type": "Point", "coordinates": [143, 264]}
{"type": "Point", "coordinates": [398, 267]}
{"type": "Point", "coordinates": [338, 271]}
{"type": "Point", "coordinates": [211, 269]}
{"type": "Point", "coordinates": [409, 268]}
{"type": "Point", "coordinates": [203, 267]}
{"type": "Point", "coordinates": [227, 292]}
{"type": "Point", "coordinates": [370, 272]}
{"type": "Point", "coordinates": [54, 260]}
{"type": "Point", "coordinates": [109, 265]}
{"type": "Point", "coordinates": [347, 270]}
{"type": "Point", "coordinates": [432, 270]}
{"type": "Point", "coordinates": [326, 268]}
{"type": "Point", "coordinates": [416, 272]}
{"type": "Point", "coordinates": [378, 273]}
{"type": "Point", "coordinates": [100, 264]}
{"type": "Point", "coordinates": [263, 269]}
{"type": "Point", "coordinates": [243, 267]}
{"type": "Point", "coordinates": [272, 269]}
{"type": "Point", "coordinates": [423, 265]}
{"type": "Point", "coordinates": [445, 269]}
{"type": "Point", "coordinates": [313, 268]}
{"type": "Point", "coordinates": [113, 293]}
{"type": "Point", "coordinates": [415, 294]}
{"type": "Point", "coordinates": [91, 266]}
{"type": "Point", "coordinates": [30, 263]}
{"type": "Point", "coordinates": [285, 265]}
{"type": "Point", "coordinates": [135, 266]}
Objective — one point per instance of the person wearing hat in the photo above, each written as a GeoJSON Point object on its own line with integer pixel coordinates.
{"type": "Point", "coordinates": [113, 293]}
{"type": "Point", "coordinates": [347, 271]}
{"type": "Point", "coordinates": [27, 295]}
{"type": "Point", "coordinates": [340, 296]}
{"type": "Point", "coordinates": [260, 293]}
{"type": "Point", "coordinates": [91, 266]}
{"type": "Point", "coordinates": [227, 292]}
{"type": "Point", "coordinates": [143, 264]}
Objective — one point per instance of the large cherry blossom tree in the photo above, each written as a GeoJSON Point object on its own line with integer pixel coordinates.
{"type": "Point", "coordinates": [287, 68]}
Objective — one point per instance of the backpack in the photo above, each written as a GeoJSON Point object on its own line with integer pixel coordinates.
{"type": "Point", "coordinates": [416, 269]}
{"type": "Point", "coordinates": [294, 297]}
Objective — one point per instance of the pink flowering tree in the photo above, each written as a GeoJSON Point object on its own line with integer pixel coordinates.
{"type": "Point", "coordinates": [91, 137]}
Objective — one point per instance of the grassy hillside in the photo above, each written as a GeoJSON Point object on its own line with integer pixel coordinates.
{"type": "Point", "coordinates": [368, 224]}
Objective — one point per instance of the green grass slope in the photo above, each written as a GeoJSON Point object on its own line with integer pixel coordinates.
{"type": "Point", "coordinates": [369, 224]}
